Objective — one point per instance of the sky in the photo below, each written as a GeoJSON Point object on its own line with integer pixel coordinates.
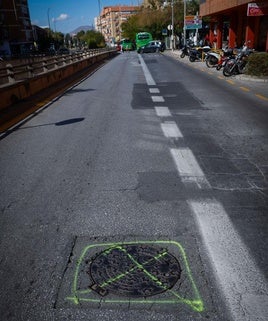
{"type": "Point", "coordinates": [66, 15]}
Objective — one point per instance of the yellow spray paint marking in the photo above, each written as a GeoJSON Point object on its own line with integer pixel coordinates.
{"type": "Point", "coordinates": [172, 296]}
{"type": "Point", "coordinates": [231, 82]}
{"type": "Point", "coordinates": [245, 89]}
{"type": "Point", "coordinates": [261, 97]}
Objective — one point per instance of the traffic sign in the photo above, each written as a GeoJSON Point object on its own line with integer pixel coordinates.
{"type": "Point", "coordinates": [193, 22]}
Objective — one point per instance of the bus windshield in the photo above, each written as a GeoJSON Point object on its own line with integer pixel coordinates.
{"type": "Point", "coordinates": [142, 38]}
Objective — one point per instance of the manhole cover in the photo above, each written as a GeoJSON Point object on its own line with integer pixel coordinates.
{"type": "Point", "coordinates": [134, 270]}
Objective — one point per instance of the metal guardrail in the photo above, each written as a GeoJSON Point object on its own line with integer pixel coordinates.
{"type": "Point", "coordinates": [37, 65]}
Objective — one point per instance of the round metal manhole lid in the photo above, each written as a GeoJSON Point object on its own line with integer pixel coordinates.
{"type": "Point", "coordinates": [134, 270]}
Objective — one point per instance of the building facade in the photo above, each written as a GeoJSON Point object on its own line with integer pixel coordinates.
{"type": "Point", "coordinates": [235, 22]}
{"type": "Point", "coordinates": [16, 35]}
{"type": "Point", "coordinates": [110, 21]}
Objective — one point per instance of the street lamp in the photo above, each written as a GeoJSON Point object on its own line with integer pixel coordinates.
{"type": "Point", "coordinates": [48, 19]}
{"type": "Point", "coordinates": [184, 25]}
{"type": "Point", "coordinates": [100, 22]}
{"type": "Point", "coordinates": [172, 24]}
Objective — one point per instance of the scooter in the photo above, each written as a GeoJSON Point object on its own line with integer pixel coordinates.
{"type": "Point", "coordinates": [185, 51]}
{"type": "Point", "coordinates": [228, 54]}
{"type": "Point", "coordinates": [198, 53]}
{"type": "Point", "coordinates": [213, 58]}
{"type": "Point", "coordinates": [216, 58]}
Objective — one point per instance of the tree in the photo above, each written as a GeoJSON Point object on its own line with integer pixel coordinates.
{"type": "Point", "coordinates": [157, 16]}
{"type": "Point", "coordinates": [93, 39]}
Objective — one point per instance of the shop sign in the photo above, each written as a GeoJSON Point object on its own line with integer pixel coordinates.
{"type": "Point", "coordinates": [193, 22]}
{"type": "Point", "coordinates": [257, 9]}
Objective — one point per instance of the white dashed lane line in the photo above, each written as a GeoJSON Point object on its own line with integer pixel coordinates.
{"type": "Point", "coordinates": [154, 90]}
{"type": "Point", "coordinates": [158, 99]}
{"type": "Point", "coordinates": [171, 130]}
{"type": "Point", "coordinates": [162, 111]}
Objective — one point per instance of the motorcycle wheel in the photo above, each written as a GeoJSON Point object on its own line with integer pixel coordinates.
{"type": "Point", "coordinates": [227, 70]}
{"type": "Point", "coordinates": [182, 55]}
{"type": "Point", "coordinates": [192, 59]}
{"type": "Point", "coordinates": [211, 61]}
{"type": "Point", "coordinates": [219, 67]}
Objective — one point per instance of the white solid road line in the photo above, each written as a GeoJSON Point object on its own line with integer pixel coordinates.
{"type": "Point", "coordinates": [171, 130]}
{"type": "Point", "coordinates": [149, 79]}
{"type": "Point", "coordinates": [243, 285]}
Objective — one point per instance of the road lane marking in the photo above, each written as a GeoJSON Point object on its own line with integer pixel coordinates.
{"type": "Point", "coordinates": [188, 167]}
{"type": "Point", "coordinates": [154, 90]}
{"type": "Point", "coordinates": [149, 79]}
{"type": "Point", "coordinates": [243, 285]}
{"type": "Point", "coordinates": [244, 89]}
{"type": "Point", "coordinates": [231, 82]}
{"type": "Point", "coordinates": [261, 97]}
{"type": "Point", "coordinates": [162, 111]}
{"type": "Point", "coordinates": [158, 99]}
{"type": "Point", "coordinates": [171, 130]}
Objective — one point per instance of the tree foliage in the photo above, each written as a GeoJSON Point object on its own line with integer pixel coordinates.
{"type": "Point", "coordinates": [91, 39]}
{"type": "Point", "coordinates": [158, 16]}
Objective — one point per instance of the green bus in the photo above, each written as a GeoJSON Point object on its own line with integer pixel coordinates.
{"type": "Point", "coordinates": [127, 45]}
{"type": "Point", "coordinates": [142, 38]}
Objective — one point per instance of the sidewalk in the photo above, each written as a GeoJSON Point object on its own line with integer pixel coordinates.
{"type": "Point", "coordinates": [176, 53]}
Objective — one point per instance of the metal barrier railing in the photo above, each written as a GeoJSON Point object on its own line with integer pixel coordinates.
{"type": "Point", "coordinates": [38, 65]}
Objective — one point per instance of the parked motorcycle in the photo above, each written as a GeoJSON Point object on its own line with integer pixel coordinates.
{"type": "Point", "coordinates": [227, 54]}
{"type": "Point", "coordinates": [213, 58]}
{"type": "Point", "coordinates": [237, 64]}
{"type": "Point", "coordinates": [198, 53]}
{"type": "Point", "coordinates": [217, 58]}
{"type": "Point", "coordinates": [185, 51]}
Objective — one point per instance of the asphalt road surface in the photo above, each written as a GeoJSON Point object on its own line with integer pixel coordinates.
{"type": "Point", "coordinates": [139, 194]}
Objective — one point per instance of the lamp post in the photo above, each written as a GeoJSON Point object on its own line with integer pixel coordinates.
{"type": "Point", "coordinates": [184, 24]}
{"type": "Point", "coordinates": [172, 24]}
{"type": "Point", "coordinates": [48, 19]}
{"type": "Point", "coordinates": [100, 22]}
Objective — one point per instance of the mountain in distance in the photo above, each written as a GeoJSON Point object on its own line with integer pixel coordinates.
{"type": "Point", "coordinates": [85, 28]}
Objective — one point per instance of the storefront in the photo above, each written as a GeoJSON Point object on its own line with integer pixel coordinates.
{"type": "Point", "coordinates": [233, 25]}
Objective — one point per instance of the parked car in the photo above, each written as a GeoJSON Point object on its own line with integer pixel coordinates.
{"type": "Point", "coordinates": [153, 46]}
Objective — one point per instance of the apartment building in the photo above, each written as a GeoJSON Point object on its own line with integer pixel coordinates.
{"type": "Point", "coordinates": [110, 21]}
{"type": "Point", "coordinates": [235, 22]}
{"type": "Point", "coordinates": [16, 35]}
